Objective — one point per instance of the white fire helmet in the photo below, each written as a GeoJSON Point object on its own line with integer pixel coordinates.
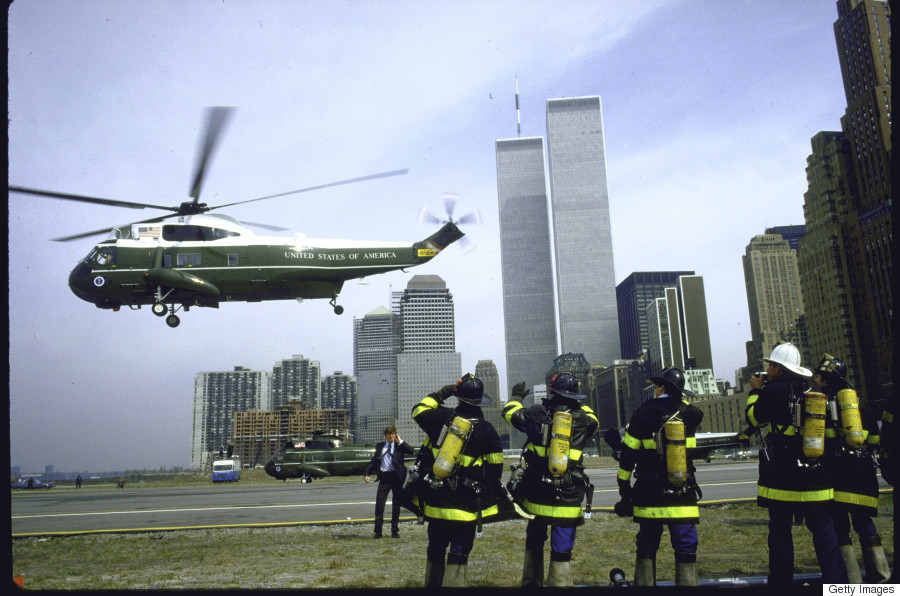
{"type": "Point", "coordinates": [787, 355]}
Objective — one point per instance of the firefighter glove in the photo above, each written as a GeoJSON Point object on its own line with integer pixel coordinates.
{"type": "Point", "coordinates": [624, 508]}
{"type": "Point", "coordinates": [519, 392]}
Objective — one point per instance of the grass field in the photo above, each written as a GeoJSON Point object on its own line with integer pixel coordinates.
{"type": "Point", "coordinates": [345, 556]}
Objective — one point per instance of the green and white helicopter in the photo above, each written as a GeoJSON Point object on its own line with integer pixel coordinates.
{"type": "Point", "coordinates": [203, 259]}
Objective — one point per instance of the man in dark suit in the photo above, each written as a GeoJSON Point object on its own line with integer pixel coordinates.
{"type": "Point", "coordinates": [388, 464]}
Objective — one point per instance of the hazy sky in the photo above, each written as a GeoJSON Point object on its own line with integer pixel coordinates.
{"type": "Point", "coordinates": [708, 109]}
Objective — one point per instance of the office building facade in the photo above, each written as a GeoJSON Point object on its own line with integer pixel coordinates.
{"type": "Point", "coordinates": [339, 392]}
{"type": "Point", "coordinates": [824, 262]}
{"type": "Point", "coordinates": [633, 295]}
{"type": "Point", "coordinates": [427, 359]}
{"type": "Point", "coordinates": [774, 299]}
{"type": "Point", "coordinates": [529, 316]}
{"type": "Point", "coordinates": [296, 379]}
{"type": "Point", "coordinates": [217, 397]}
{"type": "Point", "coordinates": [581, 229]}
{"type": "Point", "coordinates": [863, 36]}
{"type": "Point", "coordinates": [376, 343]}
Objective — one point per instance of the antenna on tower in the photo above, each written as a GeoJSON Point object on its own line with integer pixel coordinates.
{"type": "Point", "coordinates": [518, 119]}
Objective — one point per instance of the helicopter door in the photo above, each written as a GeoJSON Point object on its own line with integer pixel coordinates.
{"type": "Point", "coordinates": [258, 259]}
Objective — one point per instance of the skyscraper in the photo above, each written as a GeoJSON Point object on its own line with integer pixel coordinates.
{"type": "Point", "coordinates": [428, 358]}
{"type": "Point", "coordinates": [486, 370]}
{"type": "Point", "coordinates": [633, 295]}
{"type": "Point", "coordinates": [296, 379]}
{"type": "Point", "coordinates": [339, 392]}
{"type": "Point", "coordinates": [824, 261]}
{"type": "Point", "coordinates": [376, 342]}
{"type": "Point", "coordinates": [678, 327]}
{"type": "Point", "coordinates": [773, 297]}
{"type": "Point", "coordinates": [581, 229]}
{"type": "Point", "coordinates": [863, 35]}
{"type": "Point", "coordinates": [529, 316]}
{"type": "Point", "coordinates": [217, 396]}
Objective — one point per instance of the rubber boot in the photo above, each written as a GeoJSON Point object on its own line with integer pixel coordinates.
{"type": "Point", "coordinates": [434, 573]}
{"type": "Point", "coordinates": [686, 569]}
{"type": "Point", "coordinates": [877, 570]}
{"type": "Point", "coordinates": [455, 575]}
{"type": "Point", "coordinates": [560, 574]}
{"type": "Point", "coordinates": [645, 572]}
{"type": "Point", "coordinates": [533, 569]}
{"type": "Point", "coordinates": [850, 562]}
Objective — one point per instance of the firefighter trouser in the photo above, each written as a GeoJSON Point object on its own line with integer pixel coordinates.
{"type": "Point", "coordinates": [862, 523]}
{"type": "Point", "coordinates": [682, 536]}
{"type": "Point", "coordinates": [459, 536]}
{"type": "Point", "coordinates": [562, 540]}
{"type": "Point", "coordinates": [781, 544]}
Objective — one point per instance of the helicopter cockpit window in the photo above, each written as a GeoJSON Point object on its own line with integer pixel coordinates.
{"type": "Point", "coordinates": [104, 256]}
{"type": "Point", "coordinates": [181, 233]}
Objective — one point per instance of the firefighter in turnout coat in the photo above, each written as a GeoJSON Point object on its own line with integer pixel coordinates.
{"type": "Point", "coordinates": [850, 448]}
{"type": "Point", "coordinates": [656, 448]}
{"type": "Point", "coordinates": [460, 463]}
{"type": "Point", "coordinates": [790, 481]}
{"type": "Point", "coordinates": [551, 489]}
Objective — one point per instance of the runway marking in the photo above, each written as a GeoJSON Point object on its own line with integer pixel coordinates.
{"type": "Point", "coordinates": [145, 511]}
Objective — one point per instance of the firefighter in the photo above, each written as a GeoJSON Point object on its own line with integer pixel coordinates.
{"type": "Point", "coordinates": [850, 449]}
{"type": "Point", "coordinates": [887, 459]}
{"type": "Point", "coordinates": [461, 462]}
{"type": "Point", "coordinates": [665, 493]}
{"type": "Point", "coordinates": [553, 485]}
{"type": "Point", "coordinates": [789, 480]}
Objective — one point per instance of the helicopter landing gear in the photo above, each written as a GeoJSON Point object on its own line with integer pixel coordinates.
{"type": "Point", "coordinates": [338, 309]}
{"type": "Point", "coordinates": [159, 309]}
{"type": "Point", "coordinates": [173, 321]}
{"type": "Point", "coordinates": [306, 478]}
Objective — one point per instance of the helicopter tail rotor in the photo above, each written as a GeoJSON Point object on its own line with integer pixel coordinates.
{"type": "Point", "coordinates": [450, 199]}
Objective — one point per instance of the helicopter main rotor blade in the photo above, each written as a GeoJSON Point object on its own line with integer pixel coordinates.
{"type": "Point", "coordinates": [330, 184]}
{"type": "Point", "coordinates": [265, 226]}
{"type": "Point", "coordinates": [84, 199]}
{"type": "Point", "coordinates": [473, 217]}
{"type": "Point", "coordinates": [216, 118]}
{"type": "Point", "coordinates": [108, 229]}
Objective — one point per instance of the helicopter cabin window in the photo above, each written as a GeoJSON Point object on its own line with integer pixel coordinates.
{"type": "Point", "coordinates": [182, 232]}
{"type": "Point", "coordinates": [187, 259]}
{"type": "Point", "coordinates": [104, 256]}
{"type": "Point", "coordinates": [232, 259]}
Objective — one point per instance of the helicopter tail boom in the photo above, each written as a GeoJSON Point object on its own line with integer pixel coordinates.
{"type": "Point", "coordinates": [438, 241]}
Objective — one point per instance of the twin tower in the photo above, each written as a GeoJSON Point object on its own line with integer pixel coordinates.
{"type": "Point", "coordinates": [581, 243]}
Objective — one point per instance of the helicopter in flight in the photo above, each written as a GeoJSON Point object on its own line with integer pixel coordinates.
{"type": "Point", "coordinates": [203, 259]}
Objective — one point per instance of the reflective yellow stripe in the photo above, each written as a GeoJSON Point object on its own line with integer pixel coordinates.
{"type": "Point", "coordinates": [494, 458]}
{"type": "Point", "coordinates": [552, 510]}
{"type": "Point", "coordinates": [795, 496]}
{"type": "Point", "coordinates": [691, 442]}
{"type": "Point", "coordinates": [631, 442]}
{"type": "Point", "coordinates": [427, 403]}
{"type": "Point", "coordinates": [887, 416]}
{"type": "Point", "coordinates": [623, 474]}
{"type": "Point", "coordinates": [467, 461]}
{"type": "Point", "coordinates": [789, 431]}
{"type": "Point", "coordinates": [541, 451]}
{"type": "Point", "coordinates": [751, 401]}
{"type": "Point", "coordinates": [872, 439]}
{"type": "Point", "coordinates": [458, 514]}
{"type": "Point", "coordinates": [648, 444]}
{"type": "Point", "coordinates": [511, 408]}
{"type": "Point", "coordinates": [687, 511]}
{"type": "Point", "coordinates": [590, 413]}
{"type": "Point", "coordinates": [855, 499]}
{"type": "Point", "coordinates": [830, 433]}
